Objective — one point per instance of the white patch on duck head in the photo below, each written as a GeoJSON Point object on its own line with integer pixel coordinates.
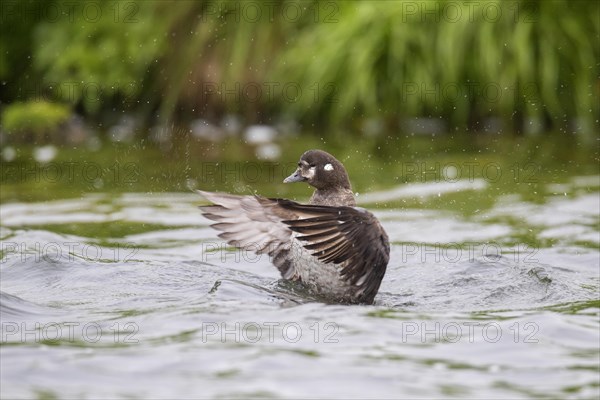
{"type": "Point", "coordinates": [328, 167]}
{"type": "Point", "coordinates": [310, 173]}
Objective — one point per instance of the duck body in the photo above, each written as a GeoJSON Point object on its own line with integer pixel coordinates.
{"type": "Point", "coordinates": [338, 250]}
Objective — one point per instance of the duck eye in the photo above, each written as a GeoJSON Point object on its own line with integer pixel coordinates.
{"type": "Point", "coordinates": [312, 165]}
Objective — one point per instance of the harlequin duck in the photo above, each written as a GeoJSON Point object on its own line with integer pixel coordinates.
{"type": "Point", "coordinates": [338, 250]}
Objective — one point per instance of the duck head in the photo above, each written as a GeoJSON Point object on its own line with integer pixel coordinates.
{"type": "Point", "coordinates": [320, 170]}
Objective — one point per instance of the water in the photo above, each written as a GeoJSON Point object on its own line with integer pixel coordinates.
{"type": "Point", "coordinates": [134, 296]}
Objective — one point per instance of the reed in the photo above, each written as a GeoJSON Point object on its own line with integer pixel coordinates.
{"type": "Point", "coordinates": [537, 59]}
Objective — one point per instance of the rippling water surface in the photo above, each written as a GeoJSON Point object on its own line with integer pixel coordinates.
{"type": "Point", "coordinates": [134, 296]}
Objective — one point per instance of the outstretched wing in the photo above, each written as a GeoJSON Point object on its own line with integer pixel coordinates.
{"type": "Point", "coordinates": [349, 236]}
{"type": "Point", "coordinates": [252, 223]}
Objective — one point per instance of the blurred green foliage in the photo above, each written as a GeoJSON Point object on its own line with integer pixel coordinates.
{"type": "Point", "coordinates": [537, 58]}
{"type": "Point", "coordinates": [35, 118]}
{"type": "Point", "coordinates": [105, 61]}
{"type": "Point", "coordinates": [334, 63]}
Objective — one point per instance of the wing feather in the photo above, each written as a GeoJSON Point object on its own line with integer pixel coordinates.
{"type": "Point", "coordinates": [348, 236]}
{"type": "Point", "coordinates": [247, 222]}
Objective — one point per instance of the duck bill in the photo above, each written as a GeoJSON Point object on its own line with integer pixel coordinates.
{"type": "Point", "coordinates": [295, 177]}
